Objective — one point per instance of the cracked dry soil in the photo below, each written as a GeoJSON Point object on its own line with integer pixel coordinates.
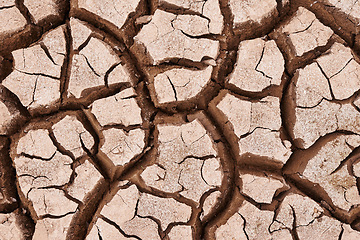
{"type": "Point", "coordinates": [180, 119]}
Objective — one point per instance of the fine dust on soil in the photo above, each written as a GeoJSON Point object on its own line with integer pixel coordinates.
{"type": "Point", "coordinates": [180, 119]}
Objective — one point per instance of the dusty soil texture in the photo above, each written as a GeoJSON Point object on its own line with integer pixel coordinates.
{"type": "Point", "coordinates": [180, 119]}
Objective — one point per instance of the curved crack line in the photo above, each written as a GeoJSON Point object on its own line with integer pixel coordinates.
{"type": "Point", "coordinates": [305, 29]}
{"type": "Point", "coordinates": [38, 157]}
{"type": "Point", "coordinates": [89, 65]}
{"type": "Point", "coordinates": [51, 216]}
{"type": "Point", "coordinates": [122, 232]}
{"type": "Point", "coordinates": [47, 52]}
{"type": "Point", "coordinates": [173, 88]}
{"type": "Point", "coordinates": [38, 74]}
{"type": "Point", "coordinates": [6, 7]}
{"type": "Point", "coordinates": [244, 226]}
{"type": "Point", "coordinates": [258, 63]}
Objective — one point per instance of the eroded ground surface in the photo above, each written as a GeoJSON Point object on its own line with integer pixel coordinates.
{"type": "Point", "coordinates": [180, 119]}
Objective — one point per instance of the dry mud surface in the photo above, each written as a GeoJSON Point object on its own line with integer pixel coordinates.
{"type": "Point", "coordinates": [180, 119]}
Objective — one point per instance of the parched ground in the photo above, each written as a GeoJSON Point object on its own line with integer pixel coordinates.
{"type": "Point", "coordinates": [180, 119]}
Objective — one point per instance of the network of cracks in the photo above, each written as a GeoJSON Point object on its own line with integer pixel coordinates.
{"type": "Point", "coordinates": [180, 119]}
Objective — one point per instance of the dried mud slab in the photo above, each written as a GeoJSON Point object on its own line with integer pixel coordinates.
{"type": "Point", "coordinates": [256, 60]}
{"type": "Point", "coordinates": [117, 13]}
{"type": "Point", "coordinates": [185, 156]}
{"type": "Point", "coordinates": [179, 119]}
{"type": "Point", "coordinates": [306, 32]}
{"type": "Point", "coordinates": [249, 10]}
{"type": "Point", "coordinates": [350, 8]}
{"type": "Point", "coordinates": [11, 18]}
